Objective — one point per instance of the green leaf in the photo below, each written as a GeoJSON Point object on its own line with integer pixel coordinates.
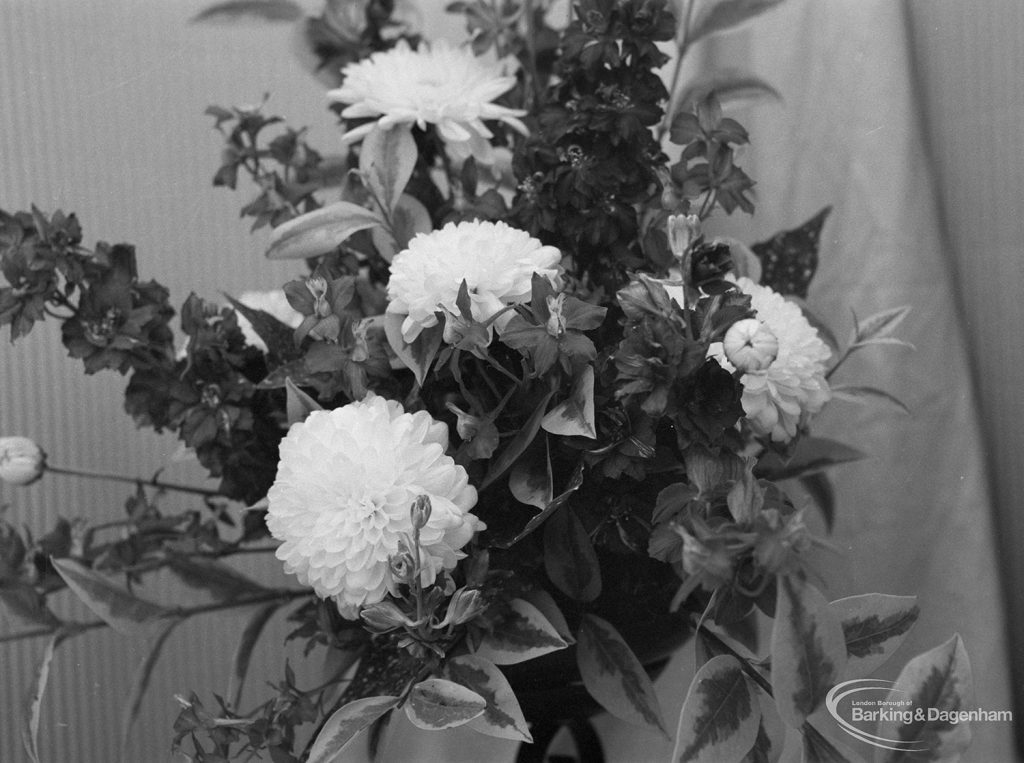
{"type": "Point", "coordinates": [26, 604]}
{"type": "Point", "coordinates": [938, 681]}
{"type": "Point", "coordinates": [121, 610]}
{"type": "Point", "coordinates": [819, 488]}
{"type": "Point", "coordinates": [276, 335]}
{"type": "Point", "coordinates": [855, 394]}
{"type": "Point", "coordinates": [878, 325]}
{"type": "Point", "coordinates": [387, 158]}
{"type": "Point", "coordinates": [259, 10]}
{"type": "Point", "coordinates": [502, 718]}
{"type": "Point", "coordinates": [574, 417]}
{"type": "Point", "coordinates": [218, 579]}
{"type": "Point", "coordinates": [297, 403]}
{"type": "Point", "coordinates": [418, 356]}
{"type": "Point", "coordinates": [522, 634]}
{"type": "Point", "coordinates": [320, 231]}
{"type": "Point", "coordinates": [437, 703]}
{"type": "Point", "coordinates": [243, 652]}
{"type": "Point", "coordinates": [34, 702]}
{"type": "Point", "coordinates": [569, 557]}
{"type": "Point", "coordinates": [518, 444]}
{"type": "Point", "coordinates": [818, 749]}
{"type": "Point", "coordinates": [726, 14]}
{"type": "Point", "coordinates": [531, 481]}
{"type": "Point", "coordinates": [345, 723]}
{"type": "Point", "coordinates": [874, 625]}
{"type": "Point", "coordinates": [720, 717]}
{"type": "Point", "coordinates": [771, 731]}
{"type": "Point", "coordinates": [813, 454]}
{"type": "Point", "coordinates": [614, 676]}
{"type": "Point", "coordinates": [575, 481]}
{"type": "Point", "coordinates": [808, 650]}
{"type": "Point", "coordinates": [140, 683]}
{"type": "Point", "coordinates": [407, 219]}
{"type": "Point", "coordinates": [548, 607]}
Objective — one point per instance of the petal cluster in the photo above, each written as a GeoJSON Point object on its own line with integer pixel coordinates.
{"type": "Point", "coordinates": [341, 501]}
{"type": "Point", "coordinates": [496, 260]}
{"type": "Point", "coordinates": [436, 84]}
{"type": "Point", "coordinates": [775, 397]}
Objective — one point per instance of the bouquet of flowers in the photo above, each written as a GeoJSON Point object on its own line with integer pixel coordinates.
{"type": "Point", "coordinates": [522, 428]}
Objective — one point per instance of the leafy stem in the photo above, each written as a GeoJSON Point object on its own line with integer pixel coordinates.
{"type": "Point", "coordinates": [133, 481]}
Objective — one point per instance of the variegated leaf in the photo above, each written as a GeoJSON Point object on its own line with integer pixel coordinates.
{"type": "Point", "coordinates": [937, 682]}
{"type": "Point", "coordinates": [121, 610]}
{"type": "Point", "coordinates": [386, 161]}
{"type": "Point", "coordinates": [808, 650]}
{"type": "Point", "coordinates": [346, 722]}
{"type": "Point", "coordinates": [614, 676]}
{"type": "Point", "coordinates": [548, 607]}
{"type": "Point", "coordinates": [502, 717]}
{"type": "Point", "coordinates": [874, 625]}
{"type": "Point", "coordinates": [531, 481]}
{"type": "Point", "coordinates": [720, 718]}
{"type": "Point", "coordinates": [437, 703]}
{"type": "Point", "coordinates": [522, 635]}
{"type": "Point", "coordinates": [320, 231]}
{"type": "Point", "coordinates": [771, 731]}
{"type": "Point", "coordinates": [574, 417]}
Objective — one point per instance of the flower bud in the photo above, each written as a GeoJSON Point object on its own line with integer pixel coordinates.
{"type": "Point", "coordinates": [420, 511]}
{"type": "Point", "coordinates": [556, 320]}
{"type": "Point", "coordinates": [384, 616]}
{"type": "Point", "coordinates": [465, 604]}
{"type": "Point", "coordinates": [21, 461]}
{"type": "Point", "coordinates": [683, 230]}
{"type": "Point", "coordinates": [750, 345]}
{"type": "Point", "coordinates": [712, 566]}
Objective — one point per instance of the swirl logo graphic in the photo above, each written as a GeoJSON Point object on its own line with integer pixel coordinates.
{"type": "Point", "coordinates": [870, 701]}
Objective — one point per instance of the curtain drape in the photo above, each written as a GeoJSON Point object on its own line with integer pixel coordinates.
{"type": "Point", "coordinates": [905, 116]}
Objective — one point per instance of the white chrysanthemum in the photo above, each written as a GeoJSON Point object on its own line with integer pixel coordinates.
{"type": "Point", "coordinates": [274, 302]}
{"type": "Point", "coordinates": [794, 383]}
{"type": "Point", "coordinates": [439, 84]}
{"type": "Point", "coordinates": [345, 484]}
{"type": "Point", "coordinates": [496, 260]}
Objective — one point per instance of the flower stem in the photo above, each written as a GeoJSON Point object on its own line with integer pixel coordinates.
{"type": "Point", "coordinates": [132, 480]}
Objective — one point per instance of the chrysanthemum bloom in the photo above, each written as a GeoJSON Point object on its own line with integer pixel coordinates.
{"type": "Point", "coordinates": [440, 85]}
{"type": "Point", "coordinates": [21, 461]}
{"type": "Point", "coordinates": [341, 501]}
{"type": "Point", "coordinates": [496, 260]}
{"type": "Point", "coordinates": [793, 384]}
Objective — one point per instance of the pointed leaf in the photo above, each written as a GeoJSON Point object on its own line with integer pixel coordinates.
{"type": "Point", "coordinates": [726, 14]}
{"type": "Point", "coordinates": [243, 652]}
{"type": "Point", "coordinates": [523, 634]}
{"type": "Point", "coordinates": [790, 258]}
{"type": "Point", "coordinates": [819, 486]}
{"type": "Point", "coordinates": [276, 335]}
{"type": "Point", "coordinates": [26, 604]}
{"type": "Point", "coordinates": [939, 682]}
{"type": "Point", "coordinates": [548, 607]}
{"type": "Point", "coordinates": [121, 610]}
{"type": "Point", "coordinates": [140, 683]}
{"type": "Point", "coordinates": [297, 403]}
{"type": "Point", "coordinates": [812, 454]}
{"type": "Point", "coordinates": [518, 444]}
{"type": "Point", "coordinates": [502, 718]}
{"type": "Point", "coordinates": [219, 580]}
{"type": "Point", "coordinates": [808, 650]}
{"type": "Point", "coordinates": [726, 85]}
{"type": "Point", "coordinates": [569, 557]}
{"type": "Point", "coordinates": [878, 325]}
{"type": "Point", "coordinates": [418, 356]}
{"type": "Point", "coordinates": [345, 723]}
{"type": "Point", "coordinates": [818, 749]}
{"type": "Point", "coordinates": [531, 479]}
{"type": "Point", "coordinates": [614, 676]}
{"type": "Point", "coordinates": [34, 702]}
{"type": "Point", "coordinates": [874, 625]}
{"type": "Point", "coordinates": [574, 417]}
{"type": "Point", "coordinates": [437, 703]}
{"type": "Point", "coordinates": [720, 718]}
{"type": "Point", "coordinates": [259, 10]}
{"type": "Point", "coordinates": [854, 394]}
{"type": "Point", "coordinates": [771, 731]}
{"type": "Point", "coordinates": [386, 160]}
{"type": "Point", "coordinates": [320, 231]}
{"type": "Point", "coordinates": [574, 484]}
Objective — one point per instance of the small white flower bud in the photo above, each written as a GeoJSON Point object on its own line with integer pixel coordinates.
{"type": "Point", "coordinates": [750, 345]}
{"type": "Point", "coordinates": [21, 461]}
{"type": "Point", "coordinates": [682, 232]}
{"type": "Point", "coordinates": [420, 511]}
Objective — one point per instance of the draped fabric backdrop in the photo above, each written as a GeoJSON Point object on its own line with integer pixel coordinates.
{"type": "Point", "coordinates": [903, 115]}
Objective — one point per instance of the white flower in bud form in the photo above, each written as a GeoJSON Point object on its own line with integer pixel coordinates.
{"type": "Point", "coordinates": [750, 345]}
{"type": "Point", "coordinates": [21, 461]}
{"type": "Point", "coordinates": [682, 232]}
{"type": "Point", "coordinates": [556, 320]}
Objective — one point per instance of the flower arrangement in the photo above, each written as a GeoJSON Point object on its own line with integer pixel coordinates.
{"type": "Point", "coordinates": [522, 430]}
